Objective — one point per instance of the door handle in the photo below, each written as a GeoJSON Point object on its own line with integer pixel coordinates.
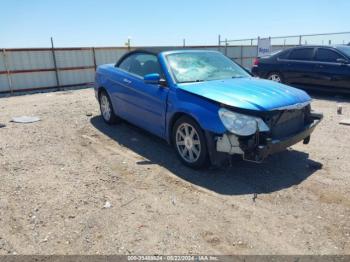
{"type": "Point", "coordinates": [126, 81]}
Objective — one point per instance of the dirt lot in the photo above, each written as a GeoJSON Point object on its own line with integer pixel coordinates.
{"type": "Point", "coordinates": [57, 174]}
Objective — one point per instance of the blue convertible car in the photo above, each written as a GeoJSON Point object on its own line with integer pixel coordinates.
{"type": "Point", "coordinates": [205, 105]}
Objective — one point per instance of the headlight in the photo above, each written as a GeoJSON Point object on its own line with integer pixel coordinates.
{"type": "Point", "coordinates": [240, 124]}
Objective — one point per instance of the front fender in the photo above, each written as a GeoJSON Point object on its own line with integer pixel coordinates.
{"type": "Point", "coordinates": [203, 110]}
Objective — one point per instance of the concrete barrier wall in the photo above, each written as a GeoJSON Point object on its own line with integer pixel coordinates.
{"type": "Point", "coordinates": [23, 70]}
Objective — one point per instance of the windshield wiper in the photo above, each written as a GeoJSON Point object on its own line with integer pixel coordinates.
{"type": "Point", "coordinates": [238, 77]}
{"type": "Point", "coordinates": [192, 81]}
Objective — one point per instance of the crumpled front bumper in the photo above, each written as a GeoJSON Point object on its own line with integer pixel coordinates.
{"type": "Point", "coordinates": [276, 145]}
{"type": "Point", "coordinates": [229, 144]}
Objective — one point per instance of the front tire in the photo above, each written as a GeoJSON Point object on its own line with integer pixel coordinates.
{"type": "Point", "coordinates": [190, 143]}
{"type": "Point", "coordinates": [106, 108]}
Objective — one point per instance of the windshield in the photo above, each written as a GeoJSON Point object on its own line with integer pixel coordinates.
{"type": "Point", "coordinates": [203, 66]}
{"type": "Point", "coordinates": [345, 50]}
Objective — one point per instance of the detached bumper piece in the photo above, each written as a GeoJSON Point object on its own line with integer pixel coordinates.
{"type": "Point", "coordinates": [256, 148]}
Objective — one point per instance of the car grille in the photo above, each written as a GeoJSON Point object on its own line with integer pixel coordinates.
{"type": "Point", "coordinates": [288, 122]}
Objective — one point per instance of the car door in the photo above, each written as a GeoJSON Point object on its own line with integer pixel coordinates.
{"type": "Point", "coordinates": [299, 66]}
{"type": "Point", "coordinates": [143, 104]}
{"type": "Point", "coordinates": [331, 72]}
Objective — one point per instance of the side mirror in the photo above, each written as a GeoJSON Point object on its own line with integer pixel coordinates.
{"type": "Point", "coordinates": [154, 79]}
{"type": "Point", "coordinates": [342, 61]}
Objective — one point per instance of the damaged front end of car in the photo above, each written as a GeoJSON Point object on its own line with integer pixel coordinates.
{"type": "Point", "coordinates": [256, 135]}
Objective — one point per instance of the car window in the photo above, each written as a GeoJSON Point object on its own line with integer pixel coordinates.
{"type": "Point", "coordinates": [283, 54]}
{"type": "Point", "coordinates": [273, 53]}
{"type": "Point", "coordinates": [301, 54]}
{"type": "Point", "coordinates": [327, 55]}
{"type": "Point", "coordinates": [344, 49]}
{"type": "Point", "coordinates": [141, 64]}
{"type": "Point", "coordinates": [125, 64]}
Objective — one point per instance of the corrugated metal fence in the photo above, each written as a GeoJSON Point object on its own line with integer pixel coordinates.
{"type": "Point", "coordinates": [31, 69]}
{"type": "Point", "coordinates": [23, 70]}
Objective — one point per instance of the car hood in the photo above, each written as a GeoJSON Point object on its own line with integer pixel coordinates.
{"type": "Point", "coordinates": [249, 93]}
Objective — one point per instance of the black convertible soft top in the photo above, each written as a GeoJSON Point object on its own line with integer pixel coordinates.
{"type": "Point", "coordinates": [135, 52]}
{"type": "Point", "coordinates": [149, 50]}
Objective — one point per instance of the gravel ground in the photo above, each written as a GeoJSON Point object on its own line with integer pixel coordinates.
{"type": "Point", "coordinates": [70, 184]}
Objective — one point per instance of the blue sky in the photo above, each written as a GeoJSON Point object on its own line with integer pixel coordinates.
{"type": "Point", "coordinates": [31, 23]}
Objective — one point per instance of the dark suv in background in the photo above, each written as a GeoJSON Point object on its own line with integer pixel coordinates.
{"type": "Point", "coordinates": [316, 67]}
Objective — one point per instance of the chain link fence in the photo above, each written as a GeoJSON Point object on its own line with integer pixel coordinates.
{"type": "Point", "coordinates": [244, 51]}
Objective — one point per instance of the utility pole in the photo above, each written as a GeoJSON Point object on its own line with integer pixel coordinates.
{"type": "Point", "coordinates": [55, 63]}
{"type": "Point", "coordinates": [219, 43]}
{"type": "Point", "coordinates": [128, 43]}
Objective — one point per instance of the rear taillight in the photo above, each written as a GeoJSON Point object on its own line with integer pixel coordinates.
{"type": "Point", "coordinates": [256, 61]}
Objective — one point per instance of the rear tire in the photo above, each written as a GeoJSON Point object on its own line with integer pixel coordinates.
{"type": "Point", "coordinates": [190, 143]}
{"type": "Point", "coordinates": [106, 108]}
{"type": "Point", "coordinates": [276, 77]}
